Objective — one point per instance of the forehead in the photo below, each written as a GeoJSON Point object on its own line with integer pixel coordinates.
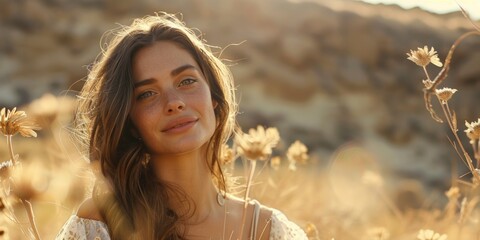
{"type": "Point", "coordinates": [160, 58]}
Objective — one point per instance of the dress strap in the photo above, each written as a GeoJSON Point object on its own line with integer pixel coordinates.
{"type": "Point", "coordinates": [256, 214]}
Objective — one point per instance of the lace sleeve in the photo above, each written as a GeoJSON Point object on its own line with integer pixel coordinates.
{"type": "Point", "coordinates": [83, 229]}
{"type": "Point", "coordinates": [283, 229]}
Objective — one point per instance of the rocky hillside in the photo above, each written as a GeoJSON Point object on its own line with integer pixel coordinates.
{"type": "Point", "coordinates": [325, 72]}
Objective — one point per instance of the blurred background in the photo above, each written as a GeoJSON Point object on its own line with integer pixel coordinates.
{"type": "Point", "coordinates": [332, 74]}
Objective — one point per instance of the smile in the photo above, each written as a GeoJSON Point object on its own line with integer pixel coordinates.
{"type": "Point", "coordinates": [180, 125]}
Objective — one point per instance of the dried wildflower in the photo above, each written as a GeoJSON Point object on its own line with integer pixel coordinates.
{"type": "Point", "coordinates": [378, 233]}
{"type": "Point", "coordinates": [226, 155]}
{"type": "Point", "coordinates": [275, 162]}
{"type": "Point", "coordinates": [296, 153]}
{"type": "Point", "coordinates": [13, 122]}
{"type": "Point", "coordinates": [428, 234]}
{"type": "Point", "coordinates": [257, 144]}
{"type": "Point", "coordinates": [445, 94]}
{"type": "Point", "coordinates": [473, 130]}
{"type": "Point", "coordinates": [372, 179]}
{"type": "Point", "coordinates": [422, 57]}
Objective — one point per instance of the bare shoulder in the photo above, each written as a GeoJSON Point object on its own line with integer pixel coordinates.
{"type": "Point", "coordinates": [89, 210]}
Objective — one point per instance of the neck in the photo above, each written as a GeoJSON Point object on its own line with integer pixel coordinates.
{"type": "Point", "coordinates": [188, 172]}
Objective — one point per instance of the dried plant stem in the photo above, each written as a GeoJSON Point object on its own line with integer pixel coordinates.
{"type": "Point", "coordinates": [252, 166]}
{"type": "Point", "coordinates": [28, 208]}
{"type": "Point", "coordinates": [477, 153]}
{"type": "Point", "coordinates": [10, 148]}
{"type": "Point", "coordinates": [443, 73]}
{"type": "Point", "coordinates": [476, 146]}
{"type": "Point", "coordinates": [466, 15]}
{"type": "Point", "coordinates": [426, 73]}
{"type": "Point", "coordinates": [429, 91]}
{"type": "Point", "coordinates": [26, 204]}
{"type": "Point", "coordinates": [468, 160]}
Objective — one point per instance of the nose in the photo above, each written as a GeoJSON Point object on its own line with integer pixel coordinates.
{"type": "Point", "coordinates": [174, 104]}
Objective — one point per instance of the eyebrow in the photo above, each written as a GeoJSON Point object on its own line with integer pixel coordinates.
{"type": "Point", "coordinates": [173, 73]}
{"type": "Point", "coordinates": [180, 69]}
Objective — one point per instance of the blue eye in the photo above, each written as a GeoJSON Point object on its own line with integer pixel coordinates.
{"type": "Point", "coordinates": [187, 81]}
{"type": "Point", "coordinates": [145, 95]}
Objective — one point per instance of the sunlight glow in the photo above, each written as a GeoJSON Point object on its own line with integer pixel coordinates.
{"type": "Point", "coordinates": [437, 6]}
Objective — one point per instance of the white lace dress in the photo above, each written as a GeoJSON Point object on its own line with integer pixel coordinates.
{"type": "Point", "coordinates": [77, 228]}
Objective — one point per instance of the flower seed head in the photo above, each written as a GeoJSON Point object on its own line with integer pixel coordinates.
{"type": "Point", "coordinates": [445, 94]}
{"type": "Point", "coordinates": [473, 130]}
{"type": "Point", "coordinates": [422, 57]}
{"type": "Point", "coordinates": [13, 122]}
{"type": "Point", "coordinates": [297, 153]}
{"type": "Point", "coordinates": [257, 144]}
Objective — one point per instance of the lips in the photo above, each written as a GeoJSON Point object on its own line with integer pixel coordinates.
{"type": "Point", "coordinates": [179, 123]}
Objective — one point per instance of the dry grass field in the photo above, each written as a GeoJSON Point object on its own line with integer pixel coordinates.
{"type": "Point", "coordinates": [350, 198]}
{"type": "Point", "coordinates": [346, 197]}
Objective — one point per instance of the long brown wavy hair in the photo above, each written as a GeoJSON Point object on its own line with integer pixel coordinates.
{"type": "Point", "coordinates": [131, 201]}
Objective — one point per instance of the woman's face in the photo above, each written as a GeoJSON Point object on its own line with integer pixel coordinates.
{"type": "Point", "coordinates": [172, 108]}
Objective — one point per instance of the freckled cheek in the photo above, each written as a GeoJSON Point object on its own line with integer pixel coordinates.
{"type": "Point", "coordinates": [142, 120]}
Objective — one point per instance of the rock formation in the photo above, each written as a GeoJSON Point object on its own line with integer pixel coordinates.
{"type": "Point", "coordinates": [324, 72]}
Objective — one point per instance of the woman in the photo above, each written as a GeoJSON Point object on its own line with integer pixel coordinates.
{"type": "Point", "coordinates": [155, 111]}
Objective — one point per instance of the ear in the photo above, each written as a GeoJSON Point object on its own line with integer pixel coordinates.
{"type": "Point", "coordinates": [214, 103]}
